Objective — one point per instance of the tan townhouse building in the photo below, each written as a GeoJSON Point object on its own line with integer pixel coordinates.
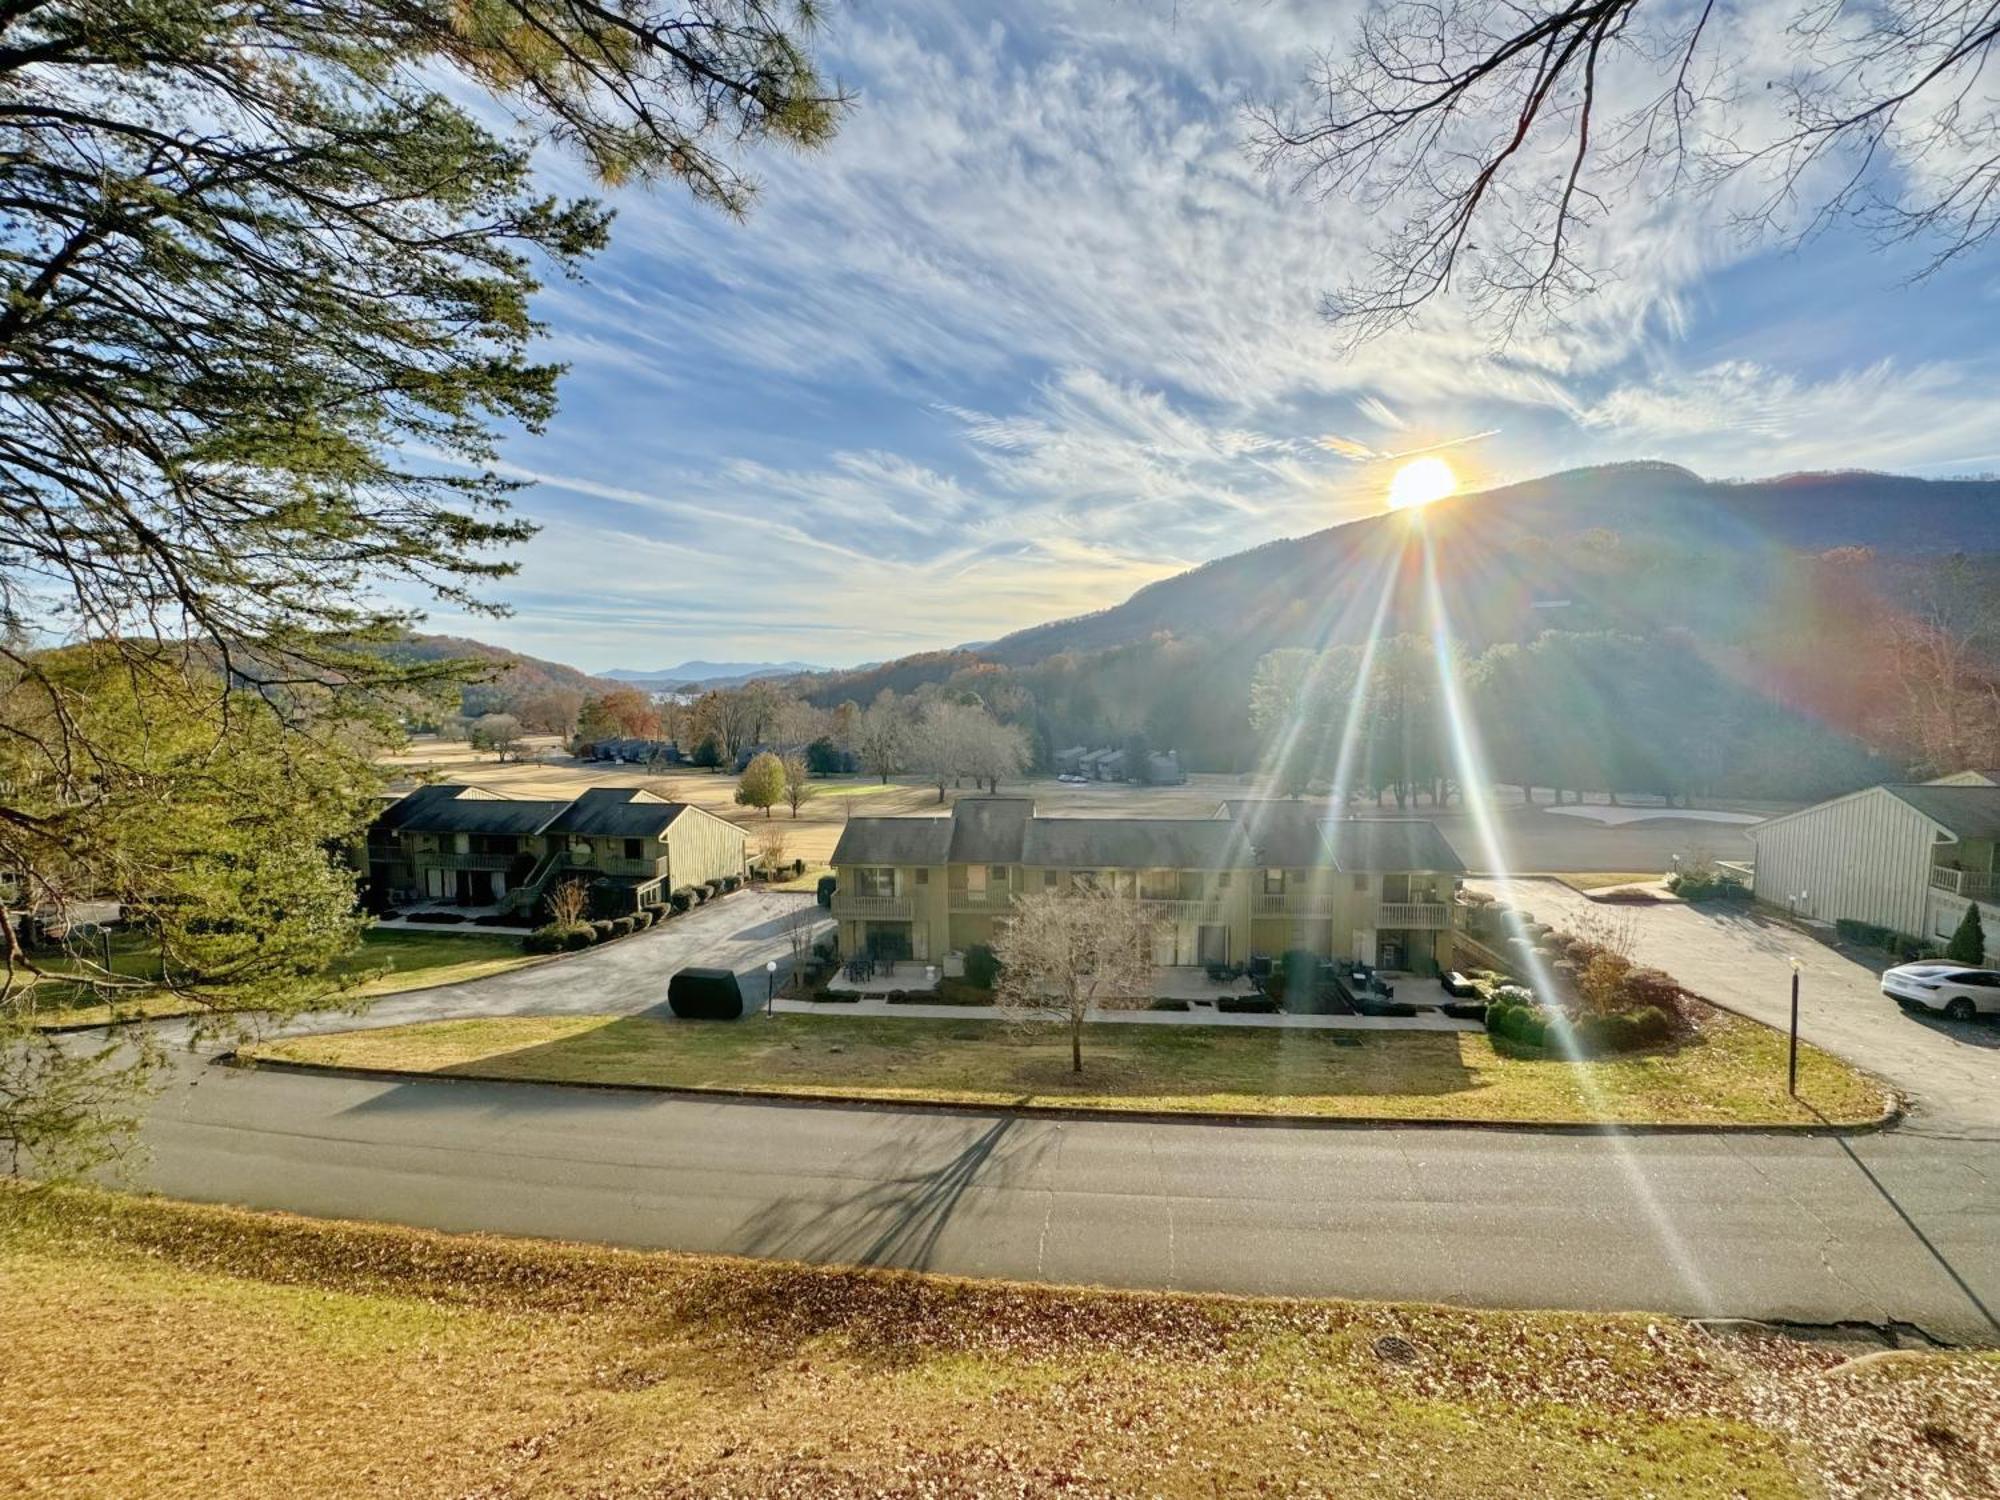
{"type": "Point", "coordinates": [470, 847]}
{"type": "Point", "coordinates": [1254, 878]}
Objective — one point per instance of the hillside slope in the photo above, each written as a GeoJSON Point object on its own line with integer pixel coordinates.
{"type": "Point", "coordinates": [1661, 507]}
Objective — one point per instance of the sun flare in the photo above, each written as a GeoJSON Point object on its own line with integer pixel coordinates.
{"type": "Point", "coordinates": [1421, 481]}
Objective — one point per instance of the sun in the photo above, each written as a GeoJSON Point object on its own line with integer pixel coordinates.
{"type": "Point", "coordinates": [1421, 481]}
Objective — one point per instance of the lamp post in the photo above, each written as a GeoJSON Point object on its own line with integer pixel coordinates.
{"type": "Point", "coordinates": [1792, 1060]}
{"type": "Point", "coordinates": [770, 987]}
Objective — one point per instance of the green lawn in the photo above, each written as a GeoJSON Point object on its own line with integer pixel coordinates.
{"type": "Point", "coordinates": [161, 1349]}
{"type": "Point", "coordinates": [1585, 881]}
{"type": "Point", "coordinates": [411, 960]}
{"type": "Point", "coordinates": [1736, 1075]}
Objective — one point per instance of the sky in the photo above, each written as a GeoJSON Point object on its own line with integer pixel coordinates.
{"type": "Point", "coordinates": [1036, 330]}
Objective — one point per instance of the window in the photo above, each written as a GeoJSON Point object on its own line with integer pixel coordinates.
{"type": "Point", "coordinates": [1274, 882]}
{"type": "Point", "coordinates": [635, 848]}
{"type": "Point", "coordinates": [875, 880]}
{"type": "Point", "coordinates": [1051, 879]}
{"type": "Point", "coordinates": [923, 876]}
{"type": "Point", "coordinates": [975, 881]}
{"type": "Point", "coordinates": [1361, 882]}
{"type": "Point", "coordinates": [997, 874]}
{"type": "Point", "coordinates": [1222, 880]}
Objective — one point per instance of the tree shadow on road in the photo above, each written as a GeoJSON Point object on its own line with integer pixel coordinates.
{"type": "Point", "coordinates": [1965, 1288]}
{"type": "Point", "coordinates": [898, 1218]}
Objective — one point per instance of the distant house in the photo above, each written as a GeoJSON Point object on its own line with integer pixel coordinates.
{"type": "Point", "coordinates": [1909, 857]}
{"type": "Point", "coordinates": [1108, 764]}
{"type": "Point", "coordinates": [1255, 878]}
{"type": "Point", "coordinates": [467, 846]}
{"type": "Point", "coordinates": [632, 752]}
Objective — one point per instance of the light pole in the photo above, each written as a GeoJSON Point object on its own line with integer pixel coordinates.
{"type": "Point", "coordinates": [1792, 1061]}
{"type": "Point", "coordinates": [770, 987]}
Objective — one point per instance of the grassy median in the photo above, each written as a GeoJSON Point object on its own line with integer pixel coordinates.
{"type": "Point", "coordinates": [1734, 1075]}
{"type": "Point", "coordinates": [161, 1349]}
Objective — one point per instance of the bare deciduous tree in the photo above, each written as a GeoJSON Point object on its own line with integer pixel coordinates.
{"type": "Point", "coordinates": [1492, 139]}
{"type": "Point", "coordinates": [1066, 953]}
{"type": "Point", "coordinates": [799, 789]}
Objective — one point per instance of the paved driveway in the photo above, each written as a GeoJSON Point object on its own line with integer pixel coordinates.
{"type": "Point", "coordinates": [741, 932]}
{"type": "Point", "coordinates": [1949, 1071]}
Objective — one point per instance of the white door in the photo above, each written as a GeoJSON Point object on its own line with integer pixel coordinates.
{"type": "Point", "coordinates": [434, 883]}
{"type": "Point", "coordinates": [1364, 945]}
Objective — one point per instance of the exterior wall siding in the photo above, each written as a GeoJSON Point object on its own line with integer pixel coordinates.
{"type": "Point", "coordinates": [1865, 858]}
{"type": "Point", "coordinates": [701, 847]}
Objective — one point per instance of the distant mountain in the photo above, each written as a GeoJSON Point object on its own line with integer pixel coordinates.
{"type": "Point", "coordinates": [710, 673]}
{"type": "Point", "coordinates": [1668, 510]}
{"type": "Point", "coordinates": [515, 678]}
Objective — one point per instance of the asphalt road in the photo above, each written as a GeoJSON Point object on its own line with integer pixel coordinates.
{"type": "Point", "coordinates": [1902, 1228]}
{"type": "Point", "coordinates": [1898, 1227]}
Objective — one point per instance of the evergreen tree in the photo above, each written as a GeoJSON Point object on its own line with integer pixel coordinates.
{"type": "Point", "coordinates": [1968, 941]}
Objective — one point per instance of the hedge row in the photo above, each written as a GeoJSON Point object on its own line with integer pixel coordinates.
{"type": "Point", "coordinates": [555, 938]}
{"type": "Point", "coordinates": [1870, 935]}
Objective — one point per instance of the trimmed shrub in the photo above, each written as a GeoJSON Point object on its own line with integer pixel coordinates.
{"type": "Point", "coordinates": [730, 883]}
{"type": "Point", "coordinates": [441, 918]}
{"type": "Point", "coordinates": [659, 911]}
{"type": "Point", "coordinates": [604, 930]}
{"type": "Point", "coordinates": [643, 918]}
{"type": "Point", "coordinates": [709, 890]}
{"type": "Point", "coordinates": [824, 892]}
{"type": "Point", "coordinates": [1651, 1025]}
{"type": "Point", "coordinates": [955, 992]}
{"type": "Point", "coordinates": [699, 894]}
{"type": "Point", "coordinates": [623, 927]}
{"type": "Point", "coordinates": [1168, 1005]}
{"type": "Point", "coordinates": [828, 997]}
{"type": "Point", "coordinates": [705, 995]}
{"type": "Point", "coordinates": [501, 919]}
{"type": "Point", "coordinates": [558, 939]}
{"type": "Point", "coordinates": [982, 969]}
{"type": "Point", "coordinates": [798, 868]}
{"type": "Point", "coordinates": [1247, 1005]}
{"type": "Point", "coordinates": [681, 899]}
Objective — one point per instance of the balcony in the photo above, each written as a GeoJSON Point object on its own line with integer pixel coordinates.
{"type": "Point", "coordinates": [872, 908]}
{"type": "Point", "coordinates": [1417, 915]}
{"type": "Point", "coordinates": [618, 865]}
{"type": "Point", "coordinates": [1974, 885]}
{"type": "Point", "coordinates": [1163, 909]}
{"type": "Point", "coordinates": [446, 859]}
{"type": "Point", "coordinates": [992, 898]}
{"type": "Point", "coordinates": [1295, 904]}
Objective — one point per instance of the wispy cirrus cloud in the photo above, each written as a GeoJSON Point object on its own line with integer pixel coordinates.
{"type": "Point", "coordinates": [1034, 331]}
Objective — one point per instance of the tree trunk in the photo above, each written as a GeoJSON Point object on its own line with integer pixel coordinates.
{"type": "Point", "coordinates": [940, 791]}
{"type": "Point", "coordinates": [1076, 1044]}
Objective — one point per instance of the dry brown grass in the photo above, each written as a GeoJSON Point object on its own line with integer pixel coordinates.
{"type": "Point", "coordinates": [158, 1349]}
{"type": "Point", "coordinates": [812, 835]}
{"type": "Point", "coordinates": [1734, 1073]}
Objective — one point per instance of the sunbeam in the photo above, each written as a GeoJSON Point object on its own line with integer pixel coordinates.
{"type": "Point", "coordinates": [1474, 793]}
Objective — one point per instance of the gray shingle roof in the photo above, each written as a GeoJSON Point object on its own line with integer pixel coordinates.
{"type": "Point", "coordinates": [1388, 845]}
{"type": "Point", "coordinates": [989, 830]}
{"type": "Point", "coordinates": [445, 809]}
{"type": "Point", "coordinates": [1129, 843]}
{"type": "Point", "coordinates": [617, 812]}
{"type": "Point", "coordinates": [1970, 812]}
{"type": "Point", "coordinates": [1281, 835]}
{"type": "Point", "coordinates": [894, 841]}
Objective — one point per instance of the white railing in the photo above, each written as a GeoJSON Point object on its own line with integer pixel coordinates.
{"type": "Point", "coordinates": [1976, 885]}
{"type": "Point", "coordinates": [1164, 910]}
{"type": "Point", "coordinates": [872, 908]}
{"type": "Point", "coordinates": [1412, 914]}
{"type": "Point", "coordinates": [1298, 904]}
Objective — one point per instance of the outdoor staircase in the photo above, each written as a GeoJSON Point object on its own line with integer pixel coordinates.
{"type": "Point", "coordinates": [528, 895]}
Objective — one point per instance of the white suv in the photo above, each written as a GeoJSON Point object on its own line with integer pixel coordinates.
{"type": "Point", "coordinates": [1959, 992]}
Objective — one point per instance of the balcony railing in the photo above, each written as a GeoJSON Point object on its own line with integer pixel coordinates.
{"type": "Point", "coordinates": [993, 898]}
{"type": "Point", "coordinates": [1412, 914]}
{"type": "Point", "coordinates": [1975, 885]}
{"type": "Point", "coordinates": [1163, 909]}
{"type": "Point", "coordinates": [1293, 904]}
{"type": "Point", "coordinates": [872, 908]}
{"type": "Point", "coordinates": [446, 859]}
